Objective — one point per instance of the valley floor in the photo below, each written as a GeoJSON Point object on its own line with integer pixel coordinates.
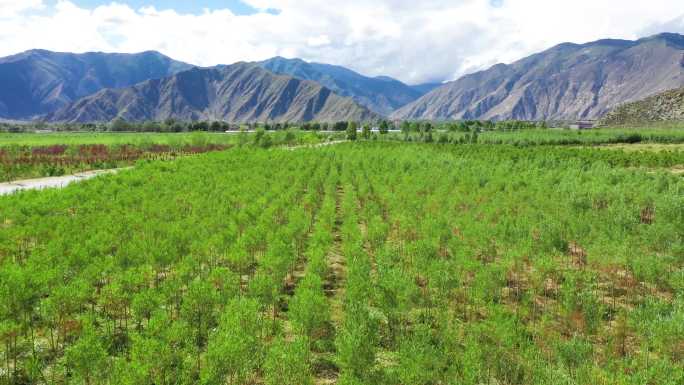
{"type": "Point", "coordinates": [378, 261]}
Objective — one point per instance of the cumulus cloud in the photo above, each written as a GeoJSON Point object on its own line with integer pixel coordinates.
{"type": "Point", "coordinates": [430, 40]}
{"type": "Point", "coordinates": [10, 8]}
{"type": "Point", "coordinates": [318, 41]}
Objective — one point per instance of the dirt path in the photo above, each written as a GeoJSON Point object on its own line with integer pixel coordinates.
{"type": "Point", "coordinates": [335, 283]}
{"type": "Point", "coordinates": [323, 144]}
{"type": "Point", "coordinates": [53, 182]}
{"type": "Point", "coordinates": [338, 268]}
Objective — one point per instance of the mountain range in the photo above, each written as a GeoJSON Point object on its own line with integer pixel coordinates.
{"type": "Point", "coordinates": [566, 82]}
{"type": "Point", "coordinates": [37, 82]}
{"type": "Point", "coordinates": [382, 94]}
{"type": "Point", "coordinates": [240, 92]}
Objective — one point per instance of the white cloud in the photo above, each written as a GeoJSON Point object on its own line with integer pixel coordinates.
{"type": "Point", "coordinates": [318, 41]}
{"type": "Point", "coordinates": [10, 8]}
{"type": "Point", "coordinates": [414, 41]}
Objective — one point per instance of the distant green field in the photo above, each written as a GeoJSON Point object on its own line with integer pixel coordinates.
{"type": "Point", "coordinates": [534, 137]}
{"type": "Point", "coordinates": [112, 138]}
{"type": "Point", "coordinates": [657, 134]}
{"type": "Point", "coordinates": [665, 125]}
{"type": "Point", "coordinates": [32, 155]}
{"type": "Point", "coordinates": [588, 137]}
{"type": "Point", "coordinates": [144, 138]}
{"type": "Point", "coordinates": [651, 147]}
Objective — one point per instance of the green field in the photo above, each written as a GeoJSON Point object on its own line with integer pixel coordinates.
{"type": "Point", "coordinates": [537, 137]}
{"type": "Point", "coordinates": [375, 262]}
{"type": "Point", "coordinates": [587, 137]}
{"type": "Point", "coordinates": [657, 147]}
{"type": "Point", "coordinates": [24, 156]}
{"type": "Point", "coordinates": [657, 134]}
{"type": "Point", "coordinates": [141, 139]}
{"type": "Point", "coordinates": [110, 138]}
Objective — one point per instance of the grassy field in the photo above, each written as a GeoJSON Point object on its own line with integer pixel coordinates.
{"type": "Point", "coordinates": [25, 156]}
{"type": "Point", "coordinates": [535, 137]}
{"type": "Point", "coordinates": [585, 137]}
{"type": "Point", "coordinates": [361, 263]}
{"type": "Point", "coordinates": [111, 138]}
{"type": "Point", "coordinates": [143, 139]}
{"type": "Point", "coordinates": [657, 147]}
{"type": "Point", "coordinates": [521, 137]}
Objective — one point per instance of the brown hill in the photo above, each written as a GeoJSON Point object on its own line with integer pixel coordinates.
{"type": "Point", "coordinates": [569, 81]}
{"type": "Point", "coordinates": [664, 107]}
{"type": "Point", "coordinates": [240, 92]}
{"type": "Point", "coordinates": [38, 82]}
{"type": "Point", "coordinates": [382, 94]}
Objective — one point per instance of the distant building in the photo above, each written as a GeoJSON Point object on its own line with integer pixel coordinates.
{"type": "Point", "coordinates": [583, 125]}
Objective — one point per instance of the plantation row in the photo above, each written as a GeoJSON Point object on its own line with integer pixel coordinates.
{"type": "Point", "coordinates": [541, 137]}
{"type": "Point", "coordinates": [585, 137]}
{"type": "Point", "coordinates": [587, 156]}
{"type": "Point", "coordinates": [361, 263]}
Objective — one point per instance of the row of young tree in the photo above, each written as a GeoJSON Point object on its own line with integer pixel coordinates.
{"type": "Point", "coordinates": [518, 277]}
{"type": "Point", "coordinates": [187, 291]}
{"type": "Point", "coordinates": [382, 263]}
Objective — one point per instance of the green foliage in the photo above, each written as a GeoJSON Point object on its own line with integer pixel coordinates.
{"type": "Point", "coordinates": [366, 131]}
{"type": "Point", "coordinates": [120, 125]}
{"type": "Point", "coordinates": [235, 349]}
{"type": "Point", "coordinates": [356, 343]}
{"type": "Point", "coordinates": [351, 130]}
{"type": "Point", "coordinates": [368, 262]}
{"type": "Point", "coordinates": [198, 309]}
{"type": "Point", "coordinates": [384, 127]}
{"type": "Point", "coordinates": [87, 358]}
{"type": "Point", "coordinates": [308, 308]}
{"type": "Point", "coordinates": [421, 360]}
{"type": "Point", "coordinates": [287, 363]}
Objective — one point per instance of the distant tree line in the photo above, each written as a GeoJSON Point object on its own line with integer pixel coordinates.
{"type": "Point", "coordinates": [173, 125]}
{"type": "Point", "coordinates": [471, 125]}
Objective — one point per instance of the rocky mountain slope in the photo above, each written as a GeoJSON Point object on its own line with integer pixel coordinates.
{"type": "Point", "coordinates": [380, 94]}
{"type": "Point", "coordinates": [240, 92]}
{"type": "Point", "coordinates": [664, 107]}
{"type": "Point", "coordinates": [569, 81]}
{"type": "Point", "coordinates": [38, 82]}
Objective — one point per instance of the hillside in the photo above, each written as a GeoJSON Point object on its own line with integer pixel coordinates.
{"type": "Point", "coordinates": [569, 81]}
{"type": "Point", "coordinates": [237, 93]}
{"type": "Point", "coordinates": [38, 81]}
{"type": "Point", "coordinates": [382, 94]}
{"type": "Point", "coordinates": [664, 107]}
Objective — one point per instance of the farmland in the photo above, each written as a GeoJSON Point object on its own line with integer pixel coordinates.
{"type": "Point", "coordinates": [374, 262]}
{"type": "Point", "coordinates": [546, 137]}
{"type": "Point", "coordinates": [25, 156]}
{"type": "Point", "coordinates": [110, 138]}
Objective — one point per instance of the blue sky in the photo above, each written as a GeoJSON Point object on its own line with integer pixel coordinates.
{"type": "Point", "coordinates": [181, 6]}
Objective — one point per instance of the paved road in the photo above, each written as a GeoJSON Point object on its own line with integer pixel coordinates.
{"type": "Point", "coordinates": [51, 182]}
